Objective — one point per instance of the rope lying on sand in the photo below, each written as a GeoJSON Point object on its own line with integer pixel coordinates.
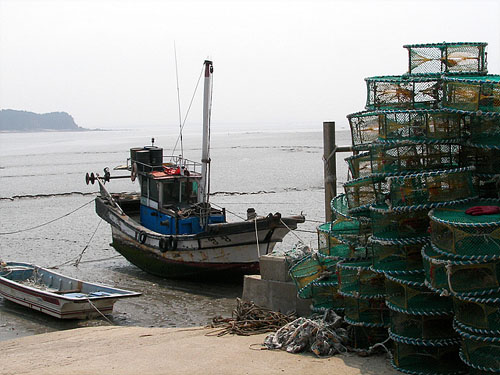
{"type": "Point", "coordinates": [249, 319]}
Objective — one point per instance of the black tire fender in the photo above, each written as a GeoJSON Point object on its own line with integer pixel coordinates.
{"type": "Point", "coordinates": [172, 243]}
{"type": "Point", "coordinates": [142, 237]}
{"type": "Point", "coordinates": [163, 244]}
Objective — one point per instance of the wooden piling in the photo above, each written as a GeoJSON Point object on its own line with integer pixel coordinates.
{"type": "Point", "coordinates": [330, 166]}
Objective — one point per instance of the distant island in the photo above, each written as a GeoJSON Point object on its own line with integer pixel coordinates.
{"type": "Point", "coordinates": [12, 120]}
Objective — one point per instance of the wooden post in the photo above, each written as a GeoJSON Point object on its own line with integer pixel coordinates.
{"type": "Point", "coordinates": [330, 166]}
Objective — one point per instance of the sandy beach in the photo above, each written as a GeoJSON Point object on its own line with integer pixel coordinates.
{"type": "Point", "coordinates": [135, 350]}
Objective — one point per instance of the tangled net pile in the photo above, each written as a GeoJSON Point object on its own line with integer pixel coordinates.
{"type": "Point", "coordinates": [324, 336]}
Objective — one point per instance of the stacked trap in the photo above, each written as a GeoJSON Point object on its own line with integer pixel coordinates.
{"type": "Point", "coordinates": [427, 149]}
{"type": "Point", "coordinates": [463, 261]}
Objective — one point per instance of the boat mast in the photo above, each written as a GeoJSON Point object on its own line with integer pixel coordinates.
{"type": "Point", "coordinates": [205, 153]}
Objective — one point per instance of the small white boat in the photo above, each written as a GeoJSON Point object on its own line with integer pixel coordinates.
{"type": "Point", "coordinates": [54, 294]}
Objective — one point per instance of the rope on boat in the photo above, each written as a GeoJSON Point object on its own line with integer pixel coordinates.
{"type": "Point", "coordinates": [99, 311]}
{"type": "Point", "coordinates": [249, 319]}
{"type": "Point", "coordinates": [292, 231]}
{"type": "Point", "coordinates": [257, 237]}
{"type": "Point", "coordinates": [48, 222]}
{"type": "Point", "coordinates": [305, 231]}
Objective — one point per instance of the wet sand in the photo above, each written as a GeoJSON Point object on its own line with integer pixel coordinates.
{"type": "Point", "coordinates": [138, 350]}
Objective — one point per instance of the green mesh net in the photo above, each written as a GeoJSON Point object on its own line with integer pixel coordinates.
{"type": "Point", "coordinates": [486, 177]}
{"type": "Point", "coordinates": [366, 312]}
{"type": "Point", "coordinates": [359, 165]}
{"type": "Point", "coordinates": [481, 352]}
{"type": "Point", "coordinates": [479, 314]}
{"type": "Point", "coordinates": [365, 128]}
{"type": "Point", "coordinates": [305, 272]}
{"type": "Point", "coordinates": [422, 327]}
{"type": "Point", "coordinates": [405, 125]}
{"type": "Point", "coordinates": [340, 209]}
{"type": "Point", "coordinates": [421, 125]}
{"type": "Point", "coordinates": [344, 251]}
{"type": "Point", "coordinates": [408, 294]}
{"type": "Point", "coordinates": [421, 190]}
{"type": "Point", "coordinates": [473, 371]}
{"type": "Point", "coordinates": [396, 258]}
{"type": "Point", "coordinates": [328, 263]}
{"type": "Point", "coordinates": [326, 239]}
{"type": "Point", "coordinates": [483, 130]}
{"type": "Point", "coordinates": [460, 278]}
{"type": "Point", "coordinates": [356, 279]}
{"type": "Point", "coordinates": [439, 360]}
{"type": "Point", "coordinates": [472, 94]}
{"type": "Point", "coordinates": [324, 295]}
{"type": "Point", "coordinates": [432, 141]}
{"type": "Point", "coordinates": [458, 233]}
{"type": "Point", "coordinates": [344, 231]}
{"type": "Point", "coordinates": [451, 58]}
{"type": "Point", "coordinates": [399, 158]}
{"type": "Point", "coordinates": [366, 337]}
{"type": "Point", "coordinates": [487, 185]}
{"type": "Point", "coordinates": [403, 92]}
{"type": "Point", "coordinates": [363, 192]}
{"type": "Point", "coordinates": [485, 160]}
{"type": "Point", "coordinates": [397, 226]}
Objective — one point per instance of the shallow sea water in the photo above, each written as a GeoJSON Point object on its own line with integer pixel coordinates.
{"type": "Point", "coordinates": [42, 178]}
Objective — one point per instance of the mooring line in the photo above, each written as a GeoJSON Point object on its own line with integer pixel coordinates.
{"type": "Point", "coordinates": [292, 232]}
{"type": "Point", "coordinates": [99, 311]}
{"type": "Point", "coordinates": [79, 258]}
{"type": "Point", "coordinates": [47, 223]}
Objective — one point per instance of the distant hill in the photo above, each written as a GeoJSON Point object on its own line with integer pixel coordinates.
{"type": "Point", "coordinates": [11, 120]}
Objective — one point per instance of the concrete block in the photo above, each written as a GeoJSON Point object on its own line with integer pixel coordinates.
{"type": "Point", "coordinates": [255, 290]}
{"type": "Point", "coordinates": [274, 268]}
{"type": "Point", "coordinates": [275, 295]}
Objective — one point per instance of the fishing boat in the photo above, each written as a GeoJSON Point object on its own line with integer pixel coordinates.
{"type": "Point", "coordinates": [170, 229]}
{"type": "Point", "coordinates": [57, 295]}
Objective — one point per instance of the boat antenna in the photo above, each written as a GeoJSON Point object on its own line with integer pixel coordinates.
{"type": "Point", "coordinates": [203, 192]}
{"type": "Point", "coordinates": [189, 108]}
{"type": "Point", "coordinates": [179, 105]}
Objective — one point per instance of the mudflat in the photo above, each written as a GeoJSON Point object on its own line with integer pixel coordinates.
{"type": "Point", "coordinates": [137, 350]}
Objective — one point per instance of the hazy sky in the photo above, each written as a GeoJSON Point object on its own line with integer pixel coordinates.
{"type": "Point", "coordinates": [276, 63]}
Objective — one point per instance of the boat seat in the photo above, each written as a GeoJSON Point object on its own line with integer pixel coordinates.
{"type": "Point", "coordinates": [67, 291]}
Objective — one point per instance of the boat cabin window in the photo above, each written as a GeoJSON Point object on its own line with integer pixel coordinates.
{"type": "Point", "coordinates": [179, 193]}
{"type": "Point", "coordinates": [149, 189]}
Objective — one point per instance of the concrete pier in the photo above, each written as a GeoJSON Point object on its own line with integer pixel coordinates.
{"type": "Point", "coordinates": [274, 289]}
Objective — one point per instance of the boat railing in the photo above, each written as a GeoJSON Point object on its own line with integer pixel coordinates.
{"type": "Point", "coordinates": [168, 161]}
{"type": "Point", "coordinates": [178, 160]}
